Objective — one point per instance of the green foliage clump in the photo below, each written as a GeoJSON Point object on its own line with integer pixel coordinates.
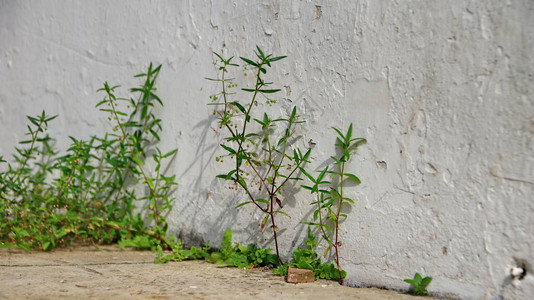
{"type": "Point", "coordinates": [309, 259]}
{"type": "Point", "coordinates": [419, 284]}
{"type": "Point", "coordinates": [89, 193]}
{"type": "Point", "coordinates": [242, 256]}
{"type": "Point", "coordinates": [179, 253]}
{"type": "Point", "coordinates": [231, 254]}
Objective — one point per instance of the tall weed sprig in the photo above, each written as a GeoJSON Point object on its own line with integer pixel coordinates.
{"type": "Point", "coordinates": [330, 194]}
{"type": "Point", "coordinates": [133, 140]}
{"type": "Point", "coordinates": [263, 164]}
{"type": "Point", "coordinates": [17, 179]}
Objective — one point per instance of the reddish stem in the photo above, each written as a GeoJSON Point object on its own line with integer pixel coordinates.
{"type": "Point", "coordinates": [271, 213]}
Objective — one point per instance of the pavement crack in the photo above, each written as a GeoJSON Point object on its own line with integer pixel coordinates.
{"type": "Point", "coordinates": [89, 269]}
{"type": "Point", "coordinates": [75, 265]}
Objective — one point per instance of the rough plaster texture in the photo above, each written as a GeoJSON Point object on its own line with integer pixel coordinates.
{"type": "Point", "coordinates": [441, 90]}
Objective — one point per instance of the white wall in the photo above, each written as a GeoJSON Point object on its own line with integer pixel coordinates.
{"type": "Point", "coordinates": [441, 90]}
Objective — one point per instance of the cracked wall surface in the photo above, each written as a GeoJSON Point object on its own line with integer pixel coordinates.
{"type": "Point", "coordinates": [441, 91]}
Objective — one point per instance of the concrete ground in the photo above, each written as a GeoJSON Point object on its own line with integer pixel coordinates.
{"type": "Point", "coordinates": [112, 273]}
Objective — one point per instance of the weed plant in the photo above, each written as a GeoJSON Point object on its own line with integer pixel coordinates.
{"type": "Point", "coordinates": [419, 284]}
{"type": "Point", "coordinates": [330, 196]}
{"type": "Point", "coordinates": [178, 252]}
{"type": "Point", "coordinates": [231, 254]}
{"type": "Point", "coordinates": [241, 256]}
{"type": "Point", "coordinates": [89, 193]}
{"type": "Point", "coordinates": [263, 162]}
{"type": "Point", "coordinates": [309, 259]}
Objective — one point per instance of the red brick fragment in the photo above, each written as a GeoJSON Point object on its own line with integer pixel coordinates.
{"type": "Point", "coordinates": [295, 275]}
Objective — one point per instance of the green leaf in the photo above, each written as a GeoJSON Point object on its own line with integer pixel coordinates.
{"type": "Point", "coordinates": [242, 182]}
{"type": "Point", "coordinates": [327, 251]}
{"type": "Point", "coordinates": [426, 281]}
{"type": "Point", "coordinates": [307, 187]}
{"type": "Point", "coordinates": [150, 183]}
{"type": "Point", "coordinates": [311, 241]}
{"type": "Point", "coordinates": [307, 175]}
{"type": "Point", "coordinates": [239, 106]}
{"type": "Point", "coordinates": [172, 152]}
{"type": "Point", "coordinates": [243, 204]}
{"type": "Point", "coordinates": [49, 118]}
{"type": "Point", "coordinates": [335, 193]}
{"type": "Point", "coordinates": [156, 98]}
{"type": "Point", "coordinates": [358, 141]}
{"type": "Point", "coordinates": [262, 201]}
{"type": "Point", "coordinates": [263, 222]}
{"type": "Point", "coordinates": [269, 91]}
{"type": "Point", "coordinates": [138, 161]}
{"type": "Point", "coordinates": [348, 200]}
{"type": "Point", "coordinates": [232, 151]}
{"type": "Point", "coordinates": [101, 102]}
{"type": "Point", "coordinates": [227, 239]}
{"type": "Point", "coordinates": [219, 56]}
{"type": "Point", "coordinates": [154, 133]}
{"type": "Point", "coordinates": [293, 113]}
{"type": "Point", "coordinates": [353, 177]}
{"type": "Point", "coordinates": [250, 62]}
{"type": "Point", "coordinates": [46, 246]}
{"type": "Point", "coordinates": [339, 133]}
{"type": "Point", "coordinates": [259, 51]}
{"type": "Point", "coordinates": [316, 214]}
{"type": "Point", "coordinates": [277, 58]}
{"type": "Point", "coordinates": [227, 176]}
{"type": "Point", "coordinates": [281, 212]}
{"type": "Point", "coordinates": [349, 133]}
{"type": "Point", "coordinates": [23, 246]}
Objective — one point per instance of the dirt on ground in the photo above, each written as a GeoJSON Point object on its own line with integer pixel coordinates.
{"type": "Point", "coordinates": [109, 272]}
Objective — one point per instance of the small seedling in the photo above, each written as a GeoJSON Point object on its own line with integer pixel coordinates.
{"type": "Point", "coordinates": [419, 284]}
